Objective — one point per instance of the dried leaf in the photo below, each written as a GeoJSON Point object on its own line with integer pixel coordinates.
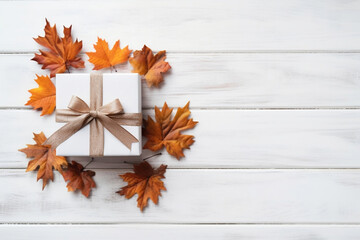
{"type": "Point", "coordinates": [62, 53]}
{"type": "Point", "coordinates": [146, 182]}
{"type": "Point", "coordinates": [78, 178]}
{"type": "Point", "coordinates": [44, 158]}
{"type": "Point", "coordinates": [103, 57]}
{"type": "Point", "coordinates": [167, 132]}
{"type": "Point", "coordinates": [145, 63]}
{"type": "Point", "coordinates": [44, 96]}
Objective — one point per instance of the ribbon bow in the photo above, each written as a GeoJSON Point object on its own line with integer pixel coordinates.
{"type": "Point", "coordinates": [110, 116]}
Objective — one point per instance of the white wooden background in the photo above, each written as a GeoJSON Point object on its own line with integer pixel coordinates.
{"type": "Point", "coordinates": [275, 86]}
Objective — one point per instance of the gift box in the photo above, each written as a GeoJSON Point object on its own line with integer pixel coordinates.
{"type": "Point", "coordinates": [98, 115]}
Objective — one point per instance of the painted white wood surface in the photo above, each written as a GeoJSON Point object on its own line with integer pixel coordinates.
{"type": "Point", "coordinates": [217, 80]}
{"type": "Point", "coordinates": [233, 55]}
{"type": "Point", "coordinates": [227, 139]}
{"type": "Point", "coordinates": [193, 196]}
{"type": "Point", "coordinates": [181, 232]}
{"type": "Point", "coordinates": [188, 25]}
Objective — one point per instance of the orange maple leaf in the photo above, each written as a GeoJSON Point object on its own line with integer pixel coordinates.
{"type": "Point", "coordinates": [62, 54]}
{"type": "Point", "coordinates": [146, 182]}
{"type": "Point", "coordinates": [44, 158]}
{"type": "Point", "coordinates": [44, 96]}
{"type": "Point", "coordinates": [103, 57]}
{"type": "Point", "coordinates": [167, 132]}
{"type": "Point", "coordinates": [78, 178]}
{"type": "Point", "coordinates": [145, 63]}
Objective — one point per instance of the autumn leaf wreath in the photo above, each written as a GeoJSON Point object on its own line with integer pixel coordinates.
{"type": "Point", "coordinates": [165, 131]}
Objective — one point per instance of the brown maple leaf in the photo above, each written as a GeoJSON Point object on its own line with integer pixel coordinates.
{"type": "Point", "coordinates": [44, 96]}
{"type": "Point", "coordinates": [44, 158]}
{"type": "Point", "coordinates": [145, 63]}
{"type": "Point", "coordinates": [78, 178]}
{"type": "Point", "coordinates": [62, 53]}
{"type": "Point", "coordinates": [146, 182]}
{"type": "Point", "coordinates": [167, 132]}
{"type": "Point", "coordinates": [103, 57]}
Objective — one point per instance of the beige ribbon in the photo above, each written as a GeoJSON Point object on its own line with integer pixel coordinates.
{"type": "Point", "coordinates": [110, 116]}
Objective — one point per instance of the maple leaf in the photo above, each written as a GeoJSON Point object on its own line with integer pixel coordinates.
{"type": "Point", "coordinates": [62, 53]}
{"type": "Point", "coordinates": [145, 63]}
{"type": "Point", "coordinates": [44, 96]}
{"type": "Point", "coordinates": [44, 158]}
{"type": "Point", "coordinates": [78, 178]}
{"type": "Point", "coordinates": [103, 57]}
{"type": "Point", "coordinates": [167, 132]}
{"type": "Point", "coordinates": [145, 181]}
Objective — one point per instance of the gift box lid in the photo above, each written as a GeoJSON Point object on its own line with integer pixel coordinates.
{"type": "Point", "coordinates": [124, 86]}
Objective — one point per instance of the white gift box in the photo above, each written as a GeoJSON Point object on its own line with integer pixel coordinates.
{"type": "Point", "coordinates": [124, 86]}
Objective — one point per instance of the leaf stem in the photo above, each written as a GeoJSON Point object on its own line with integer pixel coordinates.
{"type": "Point", "coordinates": [152, 156]}
{"type": "Point", "coordinates": [144, 158]}
{"type": "Point", "coordinates": [92, 159]}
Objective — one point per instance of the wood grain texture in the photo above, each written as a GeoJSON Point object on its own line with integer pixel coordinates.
{"type": "Point", "coordinates": [193, 196]}
{"type": "Point", "coordinates": [227, 139]}
{"type": "Point", "coordinates": [189, 25]}
{"type": "Point", "coordinates": [233, 55]}
{"type": "Point", "coordinates": [181, 232]}
{"type": "Point", "coordinates": [224, 80]}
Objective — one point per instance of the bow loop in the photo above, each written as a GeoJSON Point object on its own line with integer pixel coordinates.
{"type": "Point", "coordinates": [113, 107]}
{"type": "Point", "coordinates": [78, 105]}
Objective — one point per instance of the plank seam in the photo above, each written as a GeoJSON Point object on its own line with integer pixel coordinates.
{"type": "Point", "coordinates": [228, 108]}
{"type": "Point", "coordinates": [184, 224]}
{"type": "Point", "coordinates": [226, 169]}
{"type": "Point", "coordinates": [257, 51]}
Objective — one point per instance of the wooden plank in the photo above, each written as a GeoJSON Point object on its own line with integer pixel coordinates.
{"type": "Point", "coordinates": [226, 139]}
{"type": "Point", "coordinates": [166, 231]}
{"type": "Point", "coordinates": [193, 196]}
{"type": "Point", "coordinates": [224, 80]}
{"type": "Point", "coordinates": [191, 25]}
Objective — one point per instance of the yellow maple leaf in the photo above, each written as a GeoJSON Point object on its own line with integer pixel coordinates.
{"type": "Point", "coordinates": [44, 96]}
{"type": "Point", "coordinates": [103, 57]}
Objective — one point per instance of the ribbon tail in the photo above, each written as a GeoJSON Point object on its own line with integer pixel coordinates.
{"type": "Point", "coordinates": [118, 131]}
{"type": "Point", "coordinates": [96, 138]}
{"type": "Point", "coordinates": [62, 134]}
